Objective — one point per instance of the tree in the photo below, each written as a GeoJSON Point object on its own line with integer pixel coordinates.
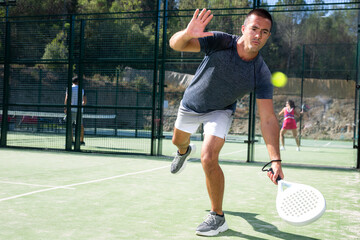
{"type": "Point", "coordinates": [43, 7]}
{"type": "Point", "coordinates": [56, 50]}
{"type": "Point", "coordinates": [126, 6]}
{"type": "Point", "coordinates": [288, 27]}
{"type": "Point", "coordinates": [93, 6]}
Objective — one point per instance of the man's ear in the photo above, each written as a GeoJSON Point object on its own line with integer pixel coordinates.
{"type": "Point", "coordinates": [242, 29]}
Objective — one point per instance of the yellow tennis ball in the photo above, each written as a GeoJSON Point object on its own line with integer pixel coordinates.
{"type": "Point", "coordinates": [278, 79]}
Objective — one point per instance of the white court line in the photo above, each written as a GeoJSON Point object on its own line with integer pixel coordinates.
{"type": "Point", "coordinates": [327, 144]}
{"type": "Point", "coordinates": [81, 183]}
{"type": "Point", "coordinates": [31, 184]}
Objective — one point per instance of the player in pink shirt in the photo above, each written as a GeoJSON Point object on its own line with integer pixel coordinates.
{"type": "Point", "coordinates": [289, 123]}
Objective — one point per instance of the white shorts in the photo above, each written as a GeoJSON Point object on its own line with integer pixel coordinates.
{"type": "Point", "coordinates": [216, 123]}
{"type": "Point", "coordinates": [74, 116]}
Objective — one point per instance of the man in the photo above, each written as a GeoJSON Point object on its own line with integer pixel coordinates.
{"type": "Point", "coordinates": [74, 101]}
{"type": "Point", "coordinates": [231, 68]}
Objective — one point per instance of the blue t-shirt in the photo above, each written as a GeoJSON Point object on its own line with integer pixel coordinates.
{"type": "Point", "coordinates": [223, 77]}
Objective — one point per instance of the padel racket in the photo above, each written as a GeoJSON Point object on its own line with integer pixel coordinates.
{"type": "Point", "coordinates": [298, 204]}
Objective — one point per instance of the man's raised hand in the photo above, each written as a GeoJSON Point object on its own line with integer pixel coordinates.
{"type": "Point", "coordinates": [196, 26]}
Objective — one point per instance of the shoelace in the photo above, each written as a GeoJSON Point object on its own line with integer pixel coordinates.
{"type": "Point", "coordinates": [209, 219]}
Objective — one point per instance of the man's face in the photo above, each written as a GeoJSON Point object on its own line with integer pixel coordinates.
{"type": "Point", "coordinates": [256, 32]}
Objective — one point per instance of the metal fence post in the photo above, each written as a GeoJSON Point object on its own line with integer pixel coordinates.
{"type": "Point", "coordinates": [358, 89]}
{"type": "Point", "coordinates": [6, 96]}
{"type": "Point", "coordinates": [302, 89]}
{"type": "Point", "coordinates": [252, 119]}
{"type": "Point", "coordinates": [155, 79]}
{"type": "Point", "coordinates": [162, 80]}
{"type": "Point", "coordinates": [79, 120]}
{"type": "Point", "coordinates": [68, 141]}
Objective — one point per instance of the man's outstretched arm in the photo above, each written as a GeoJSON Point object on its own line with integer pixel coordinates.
{"type": "Point", "coordinates": [270, 132]}
{"type": "Point", "coordinates": [187, 39]}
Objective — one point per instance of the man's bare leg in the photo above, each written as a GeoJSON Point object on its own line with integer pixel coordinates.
{"type": "Point", "coordinates": [181, 140]}
{"type": "Point", "coordinates": [215, 181]}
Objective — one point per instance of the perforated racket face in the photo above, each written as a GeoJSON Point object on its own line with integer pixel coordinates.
{"type": "Point", "coordinates": [300, 204]}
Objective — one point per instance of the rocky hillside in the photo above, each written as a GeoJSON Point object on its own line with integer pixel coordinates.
{"type": "Point", "coordinates": [330, 113]}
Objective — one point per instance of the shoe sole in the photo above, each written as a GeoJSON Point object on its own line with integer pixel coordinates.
{"type": "Point", "coordinates": [212, 233]}
{"type": "Point", "coordinates": [193, 150]}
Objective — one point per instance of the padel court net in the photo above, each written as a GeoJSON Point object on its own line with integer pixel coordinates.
{"type": "Point", "coordinates": [103, 132]}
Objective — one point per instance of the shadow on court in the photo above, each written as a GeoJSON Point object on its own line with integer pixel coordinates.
{"type": "Point", "coordinates": [263, 227]}
{"type": "Point", "coordinates": [110, 148]}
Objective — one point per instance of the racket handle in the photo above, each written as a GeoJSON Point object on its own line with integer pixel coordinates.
{"type": "Point", "coordinates": [278, 178]}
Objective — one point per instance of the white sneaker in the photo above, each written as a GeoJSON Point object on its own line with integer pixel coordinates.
{"type": "Point", "coordinates": [282, 148]}
{"type": "Point", "coordinates": [298, 149]}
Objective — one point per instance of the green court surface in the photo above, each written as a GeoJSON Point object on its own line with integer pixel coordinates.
{"type": "Point", "coordinates": [60, 195]}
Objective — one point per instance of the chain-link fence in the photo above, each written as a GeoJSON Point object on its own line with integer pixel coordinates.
{"type": "Point", "coordinates": [134, 82]}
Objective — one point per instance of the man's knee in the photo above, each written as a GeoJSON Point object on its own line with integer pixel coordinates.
{"type": "Point", "coordinates": [175, 141]}
{"type": "Point", "coordinates": [209, 160]}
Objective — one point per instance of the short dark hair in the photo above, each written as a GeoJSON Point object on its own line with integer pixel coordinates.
{"type": "Point", "coordinates": [75, 80]}
{"type": "Point", "coordinates": [261, 13]}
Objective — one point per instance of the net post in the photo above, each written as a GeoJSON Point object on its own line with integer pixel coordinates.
{"type": "Point", "coordinates": [251, 129]}
{"type": "Point", "coordinates": [117, 73]}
